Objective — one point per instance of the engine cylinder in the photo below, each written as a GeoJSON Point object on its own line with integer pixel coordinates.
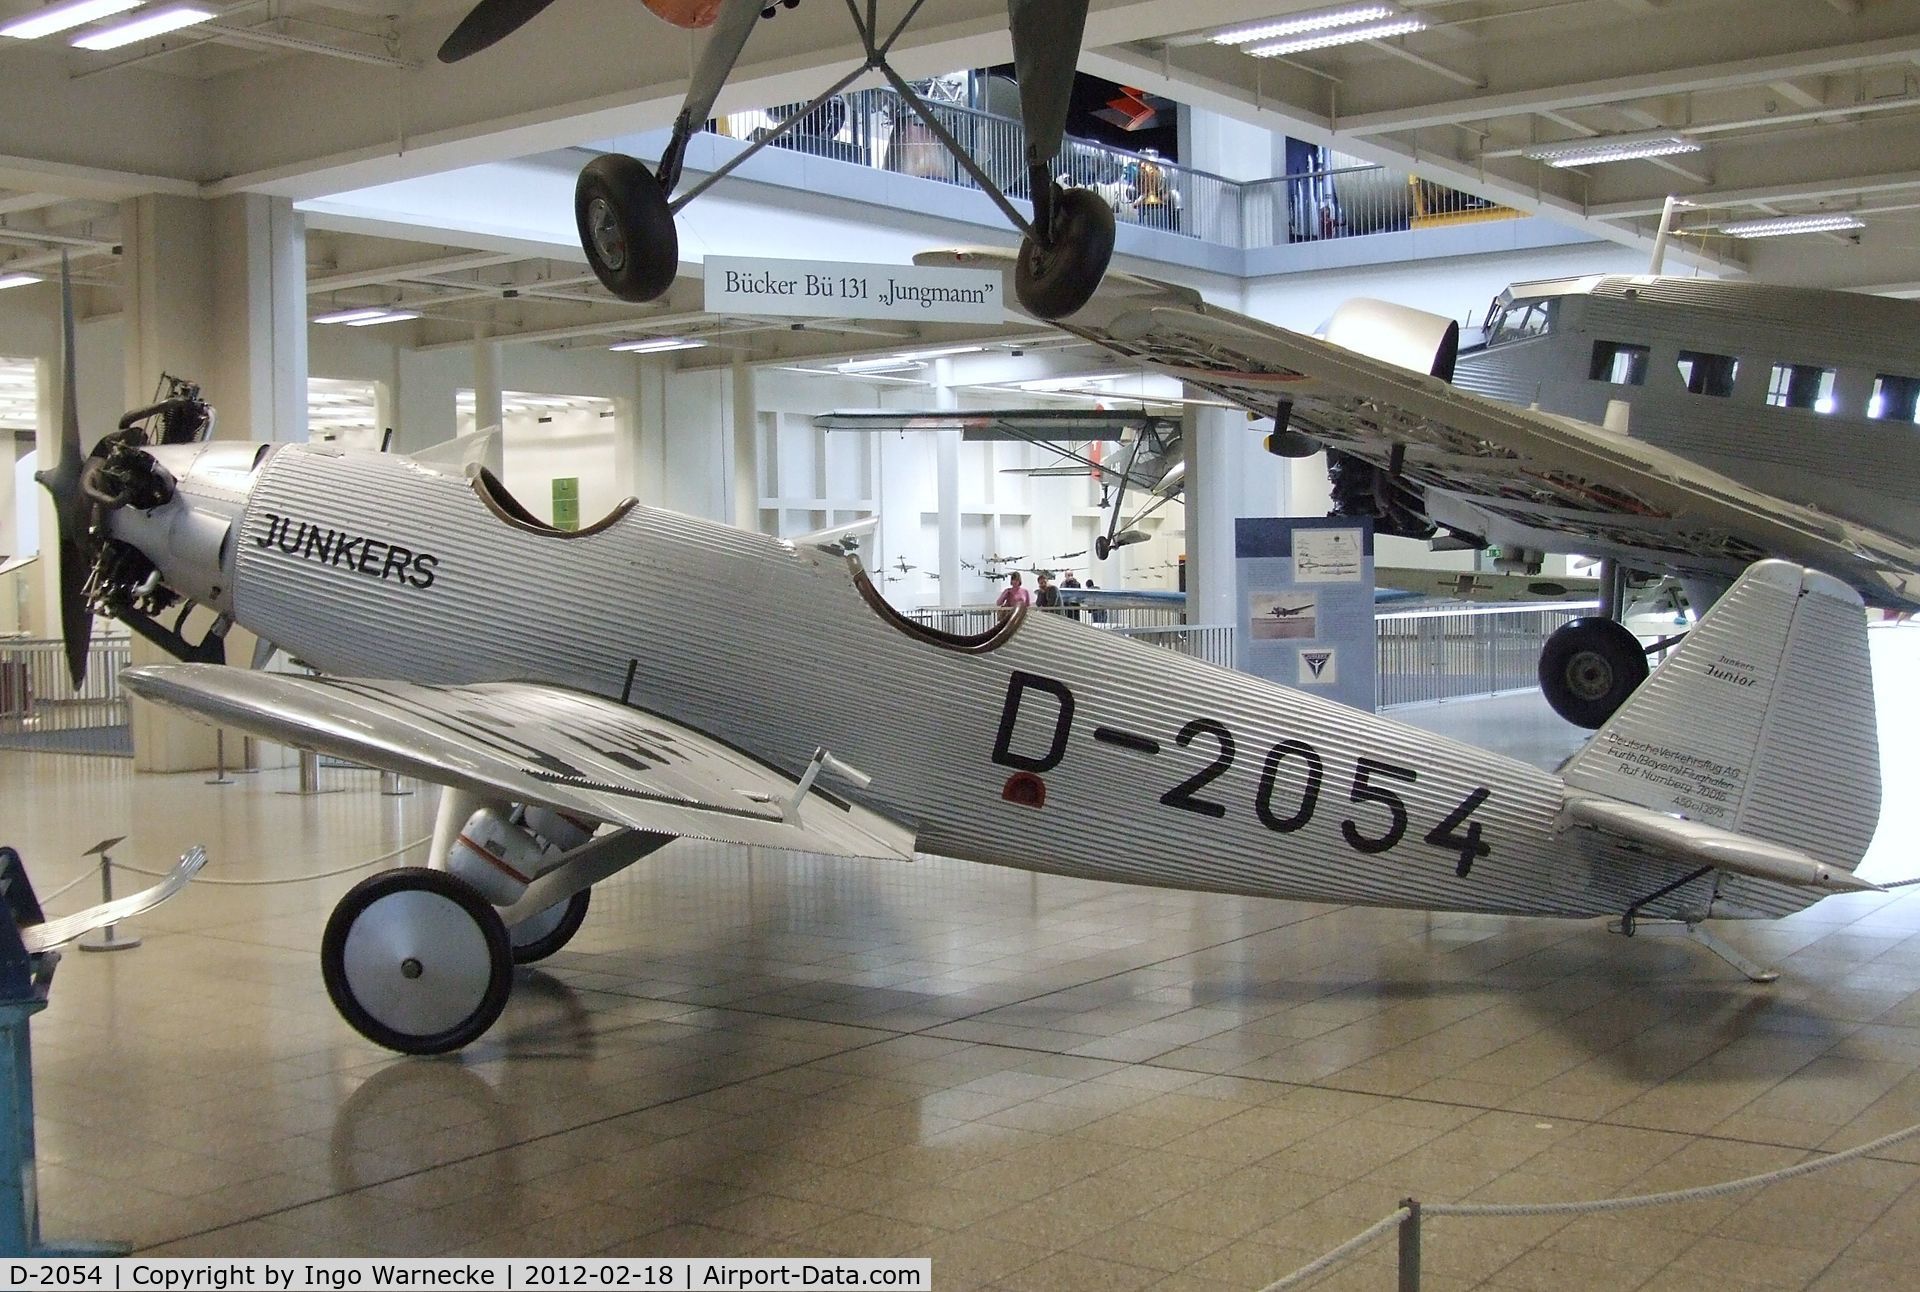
{"type": "Point", "coordinates": [500, 853]}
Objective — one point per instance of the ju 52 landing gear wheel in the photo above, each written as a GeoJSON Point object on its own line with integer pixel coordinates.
{"type": "Point", "coordinates": [626, 227]}
{"type": "Point", "coordinates": [545, 932]}
{"type": "Point", "coordinates": [1588, 668]}
{"type": "Point", "coordinates": [1054, 280]}
{"type": "Point", "coordinates": [417, 960]}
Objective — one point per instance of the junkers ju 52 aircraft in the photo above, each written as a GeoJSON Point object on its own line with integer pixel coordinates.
{"type": "Point", "coordinates": [625, 211]}
{"type": "Point", "coordinates": [586, 697]}
{"type": "Point", "coordinates": [1671, 425]}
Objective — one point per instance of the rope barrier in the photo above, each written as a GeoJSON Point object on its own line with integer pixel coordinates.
{"type": "Point", "coordinates": [1365, 1238]}
{"type": "Point", "coordinates": [1696, 1194]}
{"type": "Point", "coordinates": [291, 879]}
{"type": "Point", "coordinates": [1407, 1213]}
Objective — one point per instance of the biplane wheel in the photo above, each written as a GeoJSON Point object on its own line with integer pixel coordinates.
{"type": "Point", "coordinates": [1055, 280]}
{"type": "Point", "coordinates": [417, 960]}
{"type": "Point", "coordinates": [1101, 547]}
{"type": "Point", "coordinates": [1588, 668]}
{"type": "Point", "coordinates": [626, 227]}
{"type": "Point", "coordinates": [545, 932]}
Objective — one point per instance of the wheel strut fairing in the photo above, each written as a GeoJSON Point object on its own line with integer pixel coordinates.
{"type": "Point", "coordinates": [1154, 768]}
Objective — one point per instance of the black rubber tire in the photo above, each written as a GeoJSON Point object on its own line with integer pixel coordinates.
{"type": "Point", "coordinates": [1054, 281]}
{"type": "Point", "coordinates": [1588, 668]}
{"type": "Point", "coordinates": [541, 948]}
{"type": "Point", "coordinates": [438, 883]}
{"type": "Point", "coordinates": [626, 227]}
{"type": "Point", "coordinates": [1102, 549]}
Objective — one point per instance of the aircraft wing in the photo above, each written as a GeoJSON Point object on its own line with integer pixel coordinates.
{"type": "Point", "coordinates": [1537, 470]}
{"type": "Point", "coordinates": [1028, 424]}
{"type": "Point", "coordinates": [527, 743]}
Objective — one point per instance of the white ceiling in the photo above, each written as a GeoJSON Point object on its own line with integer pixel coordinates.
{"type": "Point", "coordinates": [1800, 105]}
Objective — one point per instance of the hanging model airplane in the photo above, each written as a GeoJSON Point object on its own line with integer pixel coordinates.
{"type": "Point", "coordinates": [1765, 421]}
{"type": "Point", "coordinates": [1152, 463]}
{"type": "Point", "coordinates": [632, 704]}
{"type": "Point", "coordinates": [624, 211]}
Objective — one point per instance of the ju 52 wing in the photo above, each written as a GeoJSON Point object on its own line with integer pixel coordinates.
{"type": "Point", "coordinates": [526, 743]}
{"type": "Point", "coordinates": [1535, 469]}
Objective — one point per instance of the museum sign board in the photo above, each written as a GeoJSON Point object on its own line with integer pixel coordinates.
{"type": "Point", "coordinates": [837, 289]}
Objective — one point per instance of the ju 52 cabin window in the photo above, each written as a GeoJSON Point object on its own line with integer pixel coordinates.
{"type": "Point", "coordinates": [1619, 363]}
{"type": "Point", "coordinates": [1708, 374]}
{"type": "Point", "coordinates": [1801, 385]}
{"type": "Point", "coordinates": [1895, 399]}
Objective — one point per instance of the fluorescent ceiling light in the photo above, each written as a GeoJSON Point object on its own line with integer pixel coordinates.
{"type": "Point", "coordinates": [1068, 383]}
{"type": "Point", "coordinates": [1611, 148]}
{"type": "Point", "coordinates": [353, 315]}
{"type": "Point", "coordinates": [941, 353]}
{"type": "Point", "coordinates": [143, 28]}
{"type": "Point", "coordinates": [45, 22]}
{"type": "Point", "coordinates": [18, 280]}
{"type": "Point", "coordinates": [1302, 23]}
{"type": "Point", "coordinates": [1779, 226]}
{"type": "Point", "coordinates": [893, 363]}
{"type": "Point", "coordinates": [658, 345]}
{"type": "Point", "coordinates": [1339, 36]}
{"type": "Point", "coordinates": [384, 316]}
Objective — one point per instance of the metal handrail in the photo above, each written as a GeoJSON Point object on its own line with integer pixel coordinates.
{"type": "Point", "coordinates": [875, 128]}
{"type": "Point", "coordinates": [33, 674]}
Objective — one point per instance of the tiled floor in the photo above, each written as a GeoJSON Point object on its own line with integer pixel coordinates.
{"type": "Point", "coordinates": [1041, 1083]}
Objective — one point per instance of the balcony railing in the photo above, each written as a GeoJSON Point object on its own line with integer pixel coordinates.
{"type": "Point", "coordinates": [875, 128]}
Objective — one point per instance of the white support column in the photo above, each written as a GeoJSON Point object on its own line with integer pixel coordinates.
{"type": "Point", "coordinates": [1214, 440]}
{"type": "Point", "coordinates": [259, 336]}
{"type": "Point", "coordinates": [947, 486]}
{"type": "Point", "coordinates": [489, 412]}
{"type": "Point", "coordinates": [214, 293]}
{"type": "Point", "coordinates": [744, 498]}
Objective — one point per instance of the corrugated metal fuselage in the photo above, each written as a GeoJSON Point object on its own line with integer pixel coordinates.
{"type": "Point", "coordinates": [1156, 768]}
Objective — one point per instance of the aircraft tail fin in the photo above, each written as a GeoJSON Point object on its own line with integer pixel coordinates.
{"type": "Point", "coordinates": [1761, 724]}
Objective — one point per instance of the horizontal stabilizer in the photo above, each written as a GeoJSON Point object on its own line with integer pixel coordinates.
{"type": "Point", "coordinates": [1712, 846]}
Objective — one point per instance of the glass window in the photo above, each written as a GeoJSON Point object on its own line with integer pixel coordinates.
{"type": "Point", "coordinates": [1708, 374]}
{"type": "Point", "coordinates": [1895, 399]}
{"type": "Point", "coordinates": [1619, 363]}
{"type": "Point", "coordinates": [1801, 385]}
{"type": "Point", "coordinates": [1523, 320]}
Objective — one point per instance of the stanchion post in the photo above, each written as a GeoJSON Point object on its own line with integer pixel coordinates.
{"type": "Point", "coordinates": [1410, 1246]}
{"type": "Point", "coordinates": [310, 777]}
{"type": "Point", "coordinates": [107, 939]}
{"type": "Point", "coordinates": [220, 776]}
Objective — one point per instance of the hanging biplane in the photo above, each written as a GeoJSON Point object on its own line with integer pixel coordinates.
{"type": "Point", "coordinates": [625, 211]}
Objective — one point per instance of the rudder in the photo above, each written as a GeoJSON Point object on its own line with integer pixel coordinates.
{"type": "Point", "coordinates": [1761, 723]}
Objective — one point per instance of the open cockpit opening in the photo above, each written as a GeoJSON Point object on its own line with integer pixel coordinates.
{"type": "Point", "coordinates": [972, 642]}
{"type": "Point", "coordinates": [503, 504]}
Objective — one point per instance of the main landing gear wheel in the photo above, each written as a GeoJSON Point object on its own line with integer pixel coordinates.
{"type": "Point", "coordinates": [1588, 668]}
{"type": "Point", "coordinates": [1053, 281]}
{"type": "Point", "coordinates": [626, 227]}
{"type": "Point", "coordinates": [417, 960]}
{"type": "Point", "coordinates": [1101, 547]}
{"type": "Point", "coordinates": [545, 932]}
